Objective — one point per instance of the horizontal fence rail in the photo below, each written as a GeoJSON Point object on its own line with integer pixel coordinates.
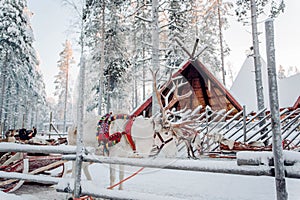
{"type": "Point", "coordinates": [89, 188]}
{"type": "Point", "coordinates": [33, 178]}
{"type": "Point", "coordinates": [27, 148]}
{"type": "Point", "coordinates": [67, 185]}
{"type": "Point", "coordinates": [204, 165]}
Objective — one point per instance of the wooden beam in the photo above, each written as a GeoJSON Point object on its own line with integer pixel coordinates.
{"type": "Point", "coordinates": [29, 177]}
{"type": "Point", "coordinates": [183, 47]}
{"type": "Point", "coordinates": [213, 166]}
{"type": "Point", "coordinates": [14, 147]}
{"type": "Point", "coordinates": [195, 47]}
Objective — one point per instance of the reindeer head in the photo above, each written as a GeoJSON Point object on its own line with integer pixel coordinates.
{"type": "Point", "coordinates": [170, 123]}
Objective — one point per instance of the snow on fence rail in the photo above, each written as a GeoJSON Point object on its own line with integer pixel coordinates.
{"type": "Point", "coordinates": [203, 165]}
{"type": "Point", "coordinates": [33, 178]}
{"type": "Point", "coordinates": [27, 148]}
{"type": "Point", "coordinates": [66, 185]}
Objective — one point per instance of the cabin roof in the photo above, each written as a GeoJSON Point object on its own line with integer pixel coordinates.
{"type": "Point", "coordinates": [207, 90]}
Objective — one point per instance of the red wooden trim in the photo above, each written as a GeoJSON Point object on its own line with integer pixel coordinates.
{"type": "Point", "coordinates": [182, 68]}
{"type": "Point", "coordinates": [297, 104]}
{"type": "Point", "coordinates": [140, 109]}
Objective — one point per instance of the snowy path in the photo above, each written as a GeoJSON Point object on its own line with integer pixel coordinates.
{"type": "Point", "coordinates": [198, 185]}
{"type": "Point", "coordinates": [181, 184]}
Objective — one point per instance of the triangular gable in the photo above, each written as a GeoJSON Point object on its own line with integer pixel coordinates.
{"type": "Point", "coordinates": [244, 88]}
{"type": "Point", "coordinates": [207, 91]}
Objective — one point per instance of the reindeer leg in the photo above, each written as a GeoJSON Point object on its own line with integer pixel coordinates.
{"type": "Point", "coordinates": [85, 167]}
{"type": "Point", "coordinates": [193, 154]}
{"type": "Point", "coordinates": [121, 176]}
{"type": "Point", "coordinates": [187, 148]}
{"type": "Point", "coordinates": [73, 169]}
{"type": "Point", "coordinates": [112, 172]}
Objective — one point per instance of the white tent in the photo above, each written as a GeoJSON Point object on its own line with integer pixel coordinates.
{"type": "Point", "coordinates": [244, 88]}
{"type": "Point", "coordinates": [289, 90]}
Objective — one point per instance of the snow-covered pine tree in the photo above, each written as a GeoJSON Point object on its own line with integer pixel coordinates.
{"type": "Point", "coordinates": [125, 30]}
{"type": "Point", "coordinates": [62, 87]}
{"type": "Point", "coordinates": [108, 59]}
{"type": "Point", "coordinates": [139, 49]}
{"type": "Point", "coordinates": [116, 57]}
{"type": "Point", "coordinates": [190, 20]}
{"type": "Point", "coordinates": [205, 25]}
{"type": "Point", "coordinates": [18, 63]}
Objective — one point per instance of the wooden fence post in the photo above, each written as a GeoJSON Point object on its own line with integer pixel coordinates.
{"type": "Point", "coordinates": [244, 123]}
{"type": "Point", "coordinates": [274, 106]}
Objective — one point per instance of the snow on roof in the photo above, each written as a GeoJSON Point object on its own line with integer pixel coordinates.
{"type": "Point", "coordinates": [244, 88]}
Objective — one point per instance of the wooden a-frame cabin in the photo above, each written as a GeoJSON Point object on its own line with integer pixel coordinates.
{"type": "Point", "coordinates": [206, 91]}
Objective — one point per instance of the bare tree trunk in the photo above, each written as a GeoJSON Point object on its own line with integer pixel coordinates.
{"type": "Point", "coordinates": [79, 144]}
{"type": "Point", "coordinates": [102, 61]}
{"type": "Point", "coordinates": [135, 88]}
{"type": "Point", "coordinates": [143, 55]}
{"type": "Point", "coordinates": [80, 116]}
{"type": "Point", "coordinates": [66, 93]}
{"type": "Point", "coordinates": [221, 42]}
{"type": "Point", "coordinates": [135, 71]}
{"type": "Point", "coordinates": [257, 63]}
{"type": "Point", "coordinates": [274, 105]}
{"type": "Point", "coordinates": [155, 52]}
{"type": "Point", "coordinates": [3, 83]}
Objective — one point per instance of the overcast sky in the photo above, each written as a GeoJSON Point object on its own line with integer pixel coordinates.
{"type": "Point", "coordinates": [50, 24]}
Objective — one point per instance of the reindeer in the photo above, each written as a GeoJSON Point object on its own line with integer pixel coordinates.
{"type": "Point", "coordinates": [182, 124]}
{"type": "Point", "coordinates": [141, 133]}
{"type": "Point", "coordinates": [159, 131]}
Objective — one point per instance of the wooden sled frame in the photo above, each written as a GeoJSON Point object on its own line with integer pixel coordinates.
{"type": "Point", "coordinates": [30, 165]}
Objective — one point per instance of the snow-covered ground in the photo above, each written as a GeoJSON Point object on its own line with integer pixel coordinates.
{"type": "Point", "coordinates": [174, 183]}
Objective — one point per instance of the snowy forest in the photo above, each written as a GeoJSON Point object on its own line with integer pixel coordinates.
{"type": "Point", "coordinates": [119, 42]}
{"type": "Point", "coordinates": [22, 99]}
{"type": "Point", "coordinates": [154, 73]}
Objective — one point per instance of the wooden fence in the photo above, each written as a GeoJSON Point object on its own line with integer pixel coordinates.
{"type": "Point", "coordinates": [247, 128]}
{"type": "Point", "coordinates": [67, 185]}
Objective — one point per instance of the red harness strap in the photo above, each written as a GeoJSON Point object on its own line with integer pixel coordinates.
{"type": "Point", "coordinates": [128, 133]}
{"type": "Point", "coordinates": [83, 198]}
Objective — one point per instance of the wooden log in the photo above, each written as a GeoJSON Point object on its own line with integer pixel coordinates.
{"type": "Point", "coordinates": [204, 165]}
{"type": "Point", "coordinates": [266, 158]}
{"type": "Point", "coordinates": [253, 158]}
{"type": "Point", "coordinates": [33, 178]}
{"type": "Point", "coordinates": [60, 149]}
{"type": "Point", "coordinates": [36, 171]}
{"type": "Point", "coordinates": [18, 184]}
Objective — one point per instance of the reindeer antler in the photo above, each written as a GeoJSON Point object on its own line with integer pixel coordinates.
{"type": "Point", "coordinates": [188, 118]}
{"type": "Point", "coordinates": [176, 97]}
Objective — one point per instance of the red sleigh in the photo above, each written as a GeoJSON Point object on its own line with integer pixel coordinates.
{"type": "Point", "coordinates": [32, 164]}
